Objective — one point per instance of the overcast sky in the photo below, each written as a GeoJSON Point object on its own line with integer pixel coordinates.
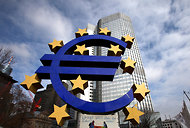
{"type": "Point", "coordinates": [162, 30]}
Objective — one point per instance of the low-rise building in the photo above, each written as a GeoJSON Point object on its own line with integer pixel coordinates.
{"type": "Point", "coordinates": [171, 124]}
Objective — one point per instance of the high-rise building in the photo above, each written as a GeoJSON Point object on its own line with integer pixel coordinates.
{"type": "Point", "coordinates": [120, 25]}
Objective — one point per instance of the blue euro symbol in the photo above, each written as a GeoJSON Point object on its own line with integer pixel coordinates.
{"type": "Point", "coordinates": [65, 66]}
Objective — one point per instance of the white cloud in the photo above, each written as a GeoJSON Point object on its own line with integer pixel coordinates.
{"type": "Point", "coordinates": [21, 50]}
{"type": "Point", "coordinates": [155, 72]}
{"type": "Point", "coordinates": [42, 21]}
{"type": "Point", "coordinates": [169, 74]}
{"type": "Point", "coordinates": [27, 58]}
{"type": "Point", "coordinates": [24, 57]}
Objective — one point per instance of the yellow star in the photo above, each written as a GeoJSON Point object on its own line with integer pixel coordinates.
{"type": "Point", "coordinates": [32, 83]}
{"type": "Point", "coordinates": [129, 40]}
{"type": "Point", "coordinates": [132, 114]}
{"type": "Point", "coordinates": [105, 31]}
{"type": "Point", "coordinates": [81, 32]}
{"type": "Point", "coordinates": [81, 50]}
{"type": "Point", "coordinates": [140, 91]}
{"type": "Point", "coordinates": [55, 45]}
{"type": "Point", "coordinates": [114, 51]}
{"type": "Point", "coordinates": [60, 114]}
{"type": "Point", "coordinates": [79, 85]}
{"type": "Point", "coordinates": [128, 65]}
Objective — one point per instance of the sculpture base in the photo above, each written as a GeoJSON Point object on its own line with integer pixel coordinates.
{"type": "Point", "coordinates": [98, 121]}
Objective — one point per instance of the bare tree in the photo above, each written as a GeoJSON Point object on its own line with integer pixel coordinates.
{"type": "Point", "coordinates": [5, 55]}
{"type": "Point", "coordinates": [22, 103]}
{"type": "Point", "coordinates": [13, 106]}
{"type": "Point", "coordinates": [148, 120]}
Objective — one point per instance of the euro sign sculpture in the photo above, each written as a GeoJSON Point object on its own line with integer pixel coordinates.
{"type": "Point", "coordinates": [72, 62]}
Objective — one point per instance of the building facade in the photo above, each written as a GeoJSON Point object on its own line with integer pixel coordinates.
{"type": "Point", "coordinates": [120, 25]}
{"type": "Point", "coordinates": [171, 124]}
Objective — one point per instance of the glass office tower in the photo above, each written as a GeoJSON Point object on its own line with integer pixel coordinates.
{"type": "Point", "coordinates": [121, 25]}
